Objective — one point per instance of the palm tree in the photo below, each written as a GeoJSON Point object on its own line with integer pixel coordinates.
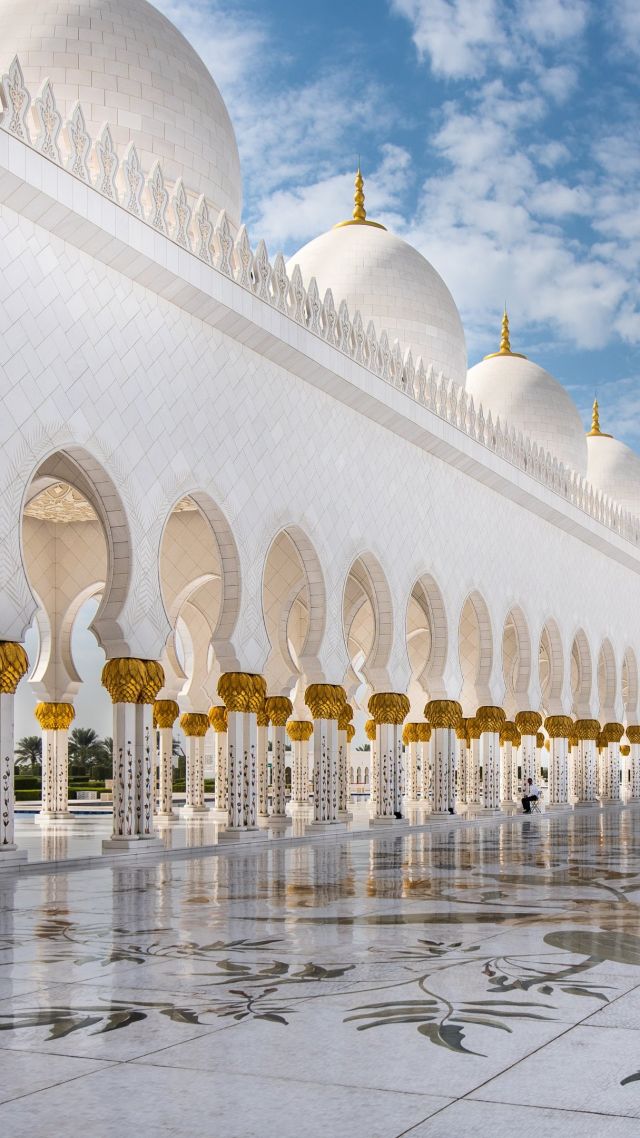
{"type": "Point", "coordinates": [85, 747]}
{"type": "Point", "coordinates": [29, 751]}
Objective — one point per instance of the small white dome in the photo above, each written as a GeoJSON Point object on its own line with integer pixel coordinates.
{"type": "Point", "coordinates": [392, 284]}
{"type": "Point", "coordinates": [528, 398]}
{"type": "Point", "coordinates": [613, 468]}
{"type": "Point", "coordinates": [129, 66]}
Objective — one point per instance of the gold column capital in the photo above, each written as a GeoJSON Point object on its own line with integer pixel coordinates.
{"type": "Point", "coordinates": [586, 729]}
{"type": "Point", "coordinates": [345, 716]}
{"type": "Point", "coordinates": [350, 732]}
{"type": "Point", "coordinates": [490, 718]}
{"type": "Point", "coordinates": [325, 701]}
{"type": "Point", "coordinates": [389, 707]}
{"type": "Point", "coordinates": [633, 733]}
{"type": "Point", "coordinates": [262, 715]}
{"type": "Point", "coordinates": [242, 691]}
{"type": "Point", "coordinates": [509, 733]}
{"type": "Point", "coordinates": [129, 679]}
{"type": "Point", "coordinates": [558, 726]}
{"type": "Point", "coordinates": [370, 730]}
{"type": "Point", "coordinates": [299, 730]}
{"type": "Point", "coordinates": [539, 739]}
{"type": "Point", "coordinates": [528, 722]}
{"type": "Point", "coordinates": [218, 719]}
{"type": "Point", "coordinates": [14, 664]}
{"type": "Point", "coordinates": [625, 751]}
{"type": "Point", "coordinates": [165, 712]}
{"type": "Point", "coordinates": [613, 732]}
{"type": "Point", "coordinates": [278, 708]}
{"type": "Point", "coordinates": [474, 727]}
{"type": "Point", "coordinates": [194, 724]}
{"type": "Point", "coordinates": [55, 716]}
{"type": "Point", "coordinates": [417, 732]}
{"type": "Point", "coordinates": [443, 712]}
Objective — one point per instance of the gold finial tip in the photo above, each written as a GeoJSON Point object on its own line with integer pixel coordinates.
{"type": "Point", "coordinates": [359, 216]}
{"type": "Point", "coordinates": [595, 431]}
{"type": "Point", "coordinates": [505, 341]}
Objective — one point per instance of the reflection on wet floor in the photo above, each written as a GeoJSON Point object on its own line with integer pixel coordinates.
{"type": "Point", "coordinates": [400, 972]}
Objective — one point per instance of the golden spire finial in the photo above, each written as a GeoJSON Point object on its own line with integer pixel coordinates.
{"type": "Point", "coordinates": [359, 212]}
{"type": "Point", "coordinates": [505, 342]}
{"type": "Point", "coordinates": [595, 423]}
{"type": "Point", "coordinates": [359, 216]}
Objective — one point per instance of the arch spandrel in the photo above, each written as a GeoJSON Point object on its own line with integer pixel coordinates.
{"type": "Point", "coordinates": [552, 674]}
{"type": "Point", "coordinates": [520, 683]}
{"type": "Point", "coordinates": [369, 627]}
{"type": "Point", "coordinates": [581, 670]}
{"type": "Point", "coordinates": [629, 686]}
{"type": "Point", "coordinates": [427, 640]}
{"type": "Point", "coordinates": [607, 683]}
{"type": "Point", "coordinates": [475, 650]}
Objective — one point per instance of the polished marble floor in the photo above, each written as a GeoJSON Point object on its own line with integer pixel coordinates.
{"type": "Point", "coordinates": [462, 983]}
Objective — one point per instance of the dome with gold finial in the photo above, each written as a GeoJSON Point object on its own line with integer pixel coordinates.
{"type": "Point", "coordinates": [390, 283]}
{"type": "Point", "coordinates": [613, 468]}
{"type": "Point", "coordinates": [525, 396]}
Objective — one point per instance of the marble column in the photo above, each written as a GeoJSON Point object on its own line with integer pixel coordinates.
{"type": "Point", "coordinates": [528, 724]}
{"type": "Point", "coordinates": [243, 694]}
{"type": "Point", "coordinates": [633, 735]}
{"type": "Point", "coordinates": [573, 767]}
{"type": "Point", "coordinates": [559, 729]}
{"type": "Point", "coordinates": [424, 744]}
{"type": "Point", "coordinates": [443, 715]}
{"type": "Point", "coordinates": [262, 762]}
{"type": "Point", "coordinates": [279, 708]}
{"type": "Point", "coordinates": [474, 732]}
{"type": "Point", "coordinates": [55, 720]}
{"type": "Point", "coordinates": [540, 740]}
{"type": "Point", "coordinates": [463, 761]}
{"type": "Point", "coordinates": [587, 732]}
{"type": "Point", "coordinates": [370, 732]}
{"type": "Point", "coordinates": [625, 751]}
{"type": "Point", "coordinates": [491, 720]}
{"type": "Point", "coordinates": [13, 666]}
{"type": "Point", "coordinates": [325, 702]}
{"type": "Point", "coordinates": [195, 725]}
{"type": "Point", "coordinates": [165, 713]}
{"type": "Point", "coordinates": [411, 742]}
{"type": "Point", "coordinates": [300, 731]}
{"type": "Point", "coordinates": [133, 685]}
{"type": "Point", "coordinates": [610, 787]}
{"type": "Point", "coordinates": [344, 722]}
{"type": "Point", "coordinates": [218, 720]}
{"type": "Point", "coordinates": [389, 710]}
{"type": "Point", "coordinates": [509, 740]}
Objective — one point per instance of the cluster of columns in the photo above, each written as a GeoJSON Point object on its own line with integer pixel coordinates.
{"type": "Point", "coordinates": [482, 762]}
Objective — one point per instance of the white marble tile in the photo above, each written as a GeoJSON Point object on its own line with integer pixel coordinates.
{"type": "Point", "coordinates": [471, 1119]}
{"type": "Point", "coordinates": [582, 1070]}
{"type": "Point", "coordinates": [22, 1073]}
{"type": "Point", "coordinates": [167, 1103]}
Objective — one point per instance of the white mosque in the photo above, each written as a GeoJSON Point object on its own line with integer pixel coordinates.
{"type": "Point", "coordinates": [284, 468]}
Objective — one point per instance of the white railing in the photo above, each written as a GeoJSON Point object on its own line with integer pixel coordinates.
{"type": "Point", "coordinates": [188, 222]}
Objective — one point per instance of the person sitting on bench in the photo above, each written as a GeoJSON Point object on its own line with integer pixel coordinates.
{"type": "Point", "coordinates": [532, 795]}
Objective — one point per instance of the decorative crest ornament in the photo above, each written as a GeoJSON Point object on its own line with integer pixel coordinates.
{"type": "Point", "coordinates": [595, 431]}
{"type": "Point", "coordinates": [505, 341]}
{"type": "Point", "coordinates": [359, 216]}
{"type": "Point", "coordinates": [17, 101]}
{"type": "Point", "coordinates": [48, 121]}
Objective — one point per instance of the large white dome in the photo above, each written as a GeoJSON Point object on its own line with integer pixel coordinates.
{"type": "Point", "coordinates": [527, 397]}
{"type": "Point", "coordinates": [391, 283]}
{"type": "Point", "coordinates": [129, 66]}
{"type": "Point", "coordinates": [613, 467]}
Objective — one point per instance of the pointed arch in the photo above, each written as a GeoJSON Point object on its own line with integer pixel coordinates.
{"type": "Point", "coordinates": [581, 676]}
{"type": "Point", "coordinates": [607, 682]}
{"type": "Point", "coordinates": [294, 607]}
{"type": "Point", "coordinates": [516, 660]}
{"type": "Point", "coordinates": [551, 668]}
{"type": "Point", "coordinates": [629, 686]}
{"type": "Point", "coordinates": [367, 610]}
{"type": "Point", "coordinates": [475, 650]}
{"type": "Point", "coordinates": [427, 636]}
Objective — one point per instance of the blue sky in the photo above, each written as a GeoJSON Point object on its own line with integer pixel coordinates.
{"type": "Point", "coordinates": [498, 136]}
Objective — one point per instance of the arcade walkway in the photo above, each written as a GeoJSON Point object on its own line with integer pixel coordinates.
{"type": "Point", "coordinates": [479, 981]}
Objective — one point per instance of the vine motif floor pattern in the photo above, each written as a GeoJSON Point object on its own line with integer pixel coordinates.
{"type": "Point", "coordinates": [407, 980]}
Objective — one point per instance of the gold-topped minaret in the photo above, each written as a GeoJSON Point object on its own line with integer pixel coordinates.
{"type": "Point", "coordinates": [505, 342]}
{"type": "Point", "coordinates": [595, 424]}
{"type": "Point", "coordinates": [359, 212]}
